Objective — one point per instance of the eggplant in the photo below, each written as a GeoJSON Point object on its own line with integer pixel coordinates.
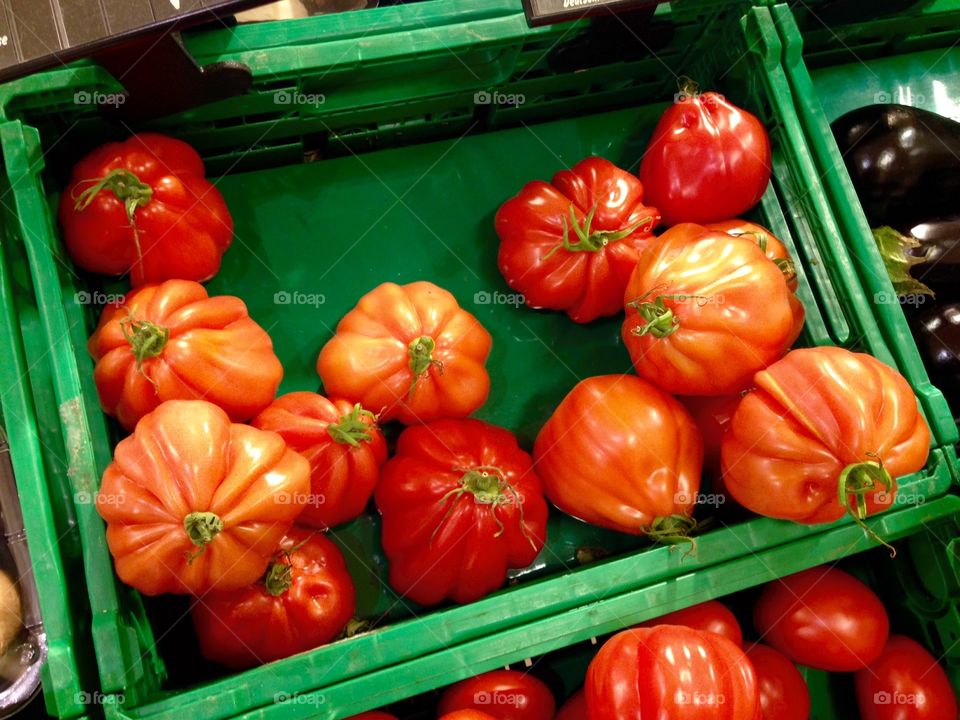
{"type": "Point", "coordinates": [904, 163]}
{"type": "Point", "coordinates": [939, 246]}
{"type": "Point", "coordinates": [937, 332]}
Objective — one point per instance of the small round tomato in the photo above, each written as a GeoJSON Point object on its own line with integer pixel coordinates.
{"type": "Point", "coordinates": [711, 616]}
{"type": "Point", "coordinates": [771, 245]}
{"type": "Point", "coordinates": [572, 245]}
{"type": "Point", "coordinates": [410, 353]}
{"type": "Point", "coordinates": [905, 683]}
{"type": "Point", "coordinates": [705, 311]}
{"type": "Point", "coordinates": [820, 425]}
{"type": "Point", "coordinates": [671, 671]}
{"type": "Point", "coordinates": [823, 618]}
{"type": "Point", "coordinates": [345, 448]}
{"type": "Point", "coordinates": [304, 600]}
{"type": "Point", "coordinates": [783, 693]}
{"type": "Point", "coordinates": [575, 708]}
{"type": "Point", "coordinates": [619, 453]}
{"type": "Point", "coordinates": [707, 160]}
{"type": "Point", "coordinates": [461, 505]}
{"type": "Point", "coordinates": [503, 694]}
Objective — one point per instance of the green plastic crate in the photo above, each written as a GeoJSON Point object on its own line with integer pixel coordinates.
{"type": "Point", "coordinates": [400, 140]}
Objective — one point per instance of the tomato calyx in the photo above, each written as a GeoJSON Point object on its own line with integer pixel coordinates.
{"type": "Point", "coordinates": [127, 188]}
{"type": "Point", "coordinates": [146, 340]}
{"type": "Point", "coordinates": [420, 351]}
{"type": "Point", "coordinates": [591, 240]}
{"type": "Point", "coordinates": [278, 578]}
{"type": "Point", "coordinates": [786, 265]}
{"type": "Point", "coordinates": [859, 479]}
{"type": "Point", "coordinates": [660, 320]}
{"type": "Point", "coordinates": [351, 429]}
{"type": "Point", "coordinates": [673, 530]}
{"type": "Point", "coordinates": [201, 528]}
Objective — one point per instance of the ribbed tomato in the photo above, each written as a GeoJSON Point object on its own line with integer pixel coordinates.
{"type": "Point", "coordinates": [771, 245]}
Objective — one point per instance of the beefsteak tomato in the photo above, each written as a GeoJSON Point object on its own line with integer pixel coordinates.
{"type": "Point", "coordinates": [825, 432]}
{"type": "Point", "coordinates": [572, 244]}
{"type": "Point", "coordinates": [707, 160]}
{"type": "Point", "coordinates": [671, 671]}
{"type": "Point", "coordinates": [705, 311]}
{"type": "Point", "coordinates": [461, 505]}
{"type": "Point", "coordinates": [304, 600]}
{"type": "Point", "coordinates": [712, 414]}
{"type": "Point", "coordinates": [144, 207]}
{"type": "Point", "coordinates": [823, 618]}
{"type": "Point", "coordinates": [783, 693]}
{"type": "Point", "coordinates": [345, 448]}
{"type": "Point", "coordinates": [172, 342]}
{"type": "Point", "coordinates": [410, 353]}
{"type": "Point", "coordinates": [771, 245]}
{"type": "Point", "coordinates": [711, 616]}
{"type": "Point", "coordinates": [503, 694]}
{"type": "Point", "coordinates": [619, 453]}
{"type": "Point", "coordinates": [194, 502]}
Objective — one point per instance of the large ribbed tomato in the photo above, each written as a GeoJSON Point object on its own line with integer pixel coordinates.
{"type": "Point", "coordinates": [572, 244]}
{"type": "Point", "coordinates": [461, 505]}
{"type": "Point", "coordinates": [619, 453]}
{"type": "Point", "coordinates": [345, 448]}
{"type": "Point", "coordinates": [705, 311]}
{"type": "Point", "coordinates": [771, 245]}
{"type": "Point", "coordinates": [194, 502]}
{"type": "Point", "coordinates": [820, 425]}
{"type": "Point", "coordinates": [408, 352]}
{"type": "Point", "coordinates": [172, 342]}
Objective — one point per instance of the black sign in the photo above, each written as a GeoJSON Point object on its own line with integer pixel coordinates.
{"type": "Point", "coordinates": [546, 12]}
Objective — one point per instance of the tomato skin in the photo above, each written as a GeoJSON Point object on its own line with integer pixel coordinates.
{"type": "Point", "coordinates": [601, 454]}
{"type": "Point", "coordinates": [251, 626]}
{"type": "Point", "coordinates": [444, 544]}
{"type": "Point", "coordinates": [823, 618]}
{"type": "Point", "coordinates": [712, 415]}
{"type": "Point", "coordinates": [711, 616]}
{"type": "Point", "coordinates": [215, 351]}
{"type": "Point", "coordinates": [186, 457]}
{"type": "Point", "coordinates": [772, 246]}
{"type": "Point", "coordinates": [466, 715]}
{"type": "Point", "coordinates": [503, 694]}
{"type": "Point", "coordinates": [585, 283]}
{"type": "Point", "coordinates": [368, 360]}
{"type": "Point", "coordinates": [783, 693]}
{"type": "Point", "coordinates": [575, 708]}
{"type": "Point", "coordinates": [811, 415]}
{"type": "Point", "coordinates": [707, 160]}
{"type": "Point", "coordinates": [342, 475]}
{"type": "Point", "coordinates": [671, 671]}
{"type": "Point", "coordinates": [729, 312]}
{"type": "Point", "coordinates": [905, 683]}
{"type": "Point", "coordinates": [184, 228]}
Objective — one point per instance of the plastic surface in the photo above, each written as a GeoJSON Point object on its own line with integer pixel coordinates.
{"type": "Point", "coordinates": [379, 157]}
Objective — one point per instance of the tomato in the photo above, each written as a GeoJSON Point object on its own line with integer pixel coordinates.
{"type": "Point", "coordinates": [345, 448]}
{"type": "Point", "coordinates": [705, 311]}
{"type": "Point", "coordinates": [172, 342]}
{"type": "Point", "coordinates": [572, 245]}
{"type": "Point", "coordinates": [575, 708]}
{"type": "Point", "coordinates": [671, 671]}
{"type": "Point", "coordinates": [619, 453]}
{"type": "Point", "coordinates": [503, 694]}
{"type": "Point", "coordinates": [823, 618]}
{"type": "Point", "coordinates": [710, 616]}
{"type": "Point", "coordinates": [144, 207]}
{"type": "Point", "coordinates": [707, 160]}
{"type": "Point", "coordinates": [194, 502]}
{"type": "Point", "coordinates": [905, 683]}
{"type": "Point", "coordinates": [783, 692]}
{"type": "Point", "coordinates": [304, 600]}
{"type": "Point", "coordinates": [466, 715]}
{"type": "Point", "coordinates": [712, 415]}
{"type": "Point", "coordinates": [771, 245]}
{"type": "Point", "coordinates": [408, 352]}
{"type": "Point", "coordinates": [461, 505]}
{"type": "Point", "coordinates": [821, 424]}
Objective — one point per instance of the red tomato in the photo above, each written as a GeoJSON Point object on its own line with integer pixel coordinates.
{"type": "Point", "coordinates": [173, 342]}
{"type": "Point", "coordinates": [143, 207]}
{"type": "Point", "coordinates": [572, 245]}
{"type": "Point", "coordinates": [824, 619]}
{"type": "Point", "coordinates": [705, 311]}
{"type": "Point", "coordinates": [502, 694]}
{"type": "Point", "coordinates": [768, 242]}
{"type": "Point", "coordinates": [461, 505]}
{"type": "Point", "coordinates": [674, 672]}
{"type": "Point", "coordinates": [712, 415]}
{"type": "Point", "coordinates": [905, 683]}
{"type": "Point", "coordinates": [408, 352]}
{"type": "Point", "coordinates": [823, 423]}
{"type": "Point", "coordinates": [707, 160]}
{"type": "Point", "coordinates": [619, 453]}
{"type": "Point", "coordinates": [194, 502]}
{"type": "Point", "coordinates": [304, 600]}
{"type": "Point", "coordinates": [783, 692]}
{"type": "Point", "coordinates": [575, 708]}
{"type": "Point", "coordinates": [467, 715]}
{"type": "Point", "coordinates": [711, 616]}
{"type": "Point", "coordinates": [345, 448]}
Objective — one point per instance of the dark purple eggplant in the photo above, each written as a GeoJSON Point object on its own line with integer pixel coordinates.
{"type": "Point", "coordinates": [939, 246]}
{"type": "Point", "coordinates": [937, 331]}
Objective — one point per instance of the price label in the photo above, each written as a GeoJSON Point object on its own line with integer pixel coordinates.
{"type": "Point", "coordinates": [546, 12]}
